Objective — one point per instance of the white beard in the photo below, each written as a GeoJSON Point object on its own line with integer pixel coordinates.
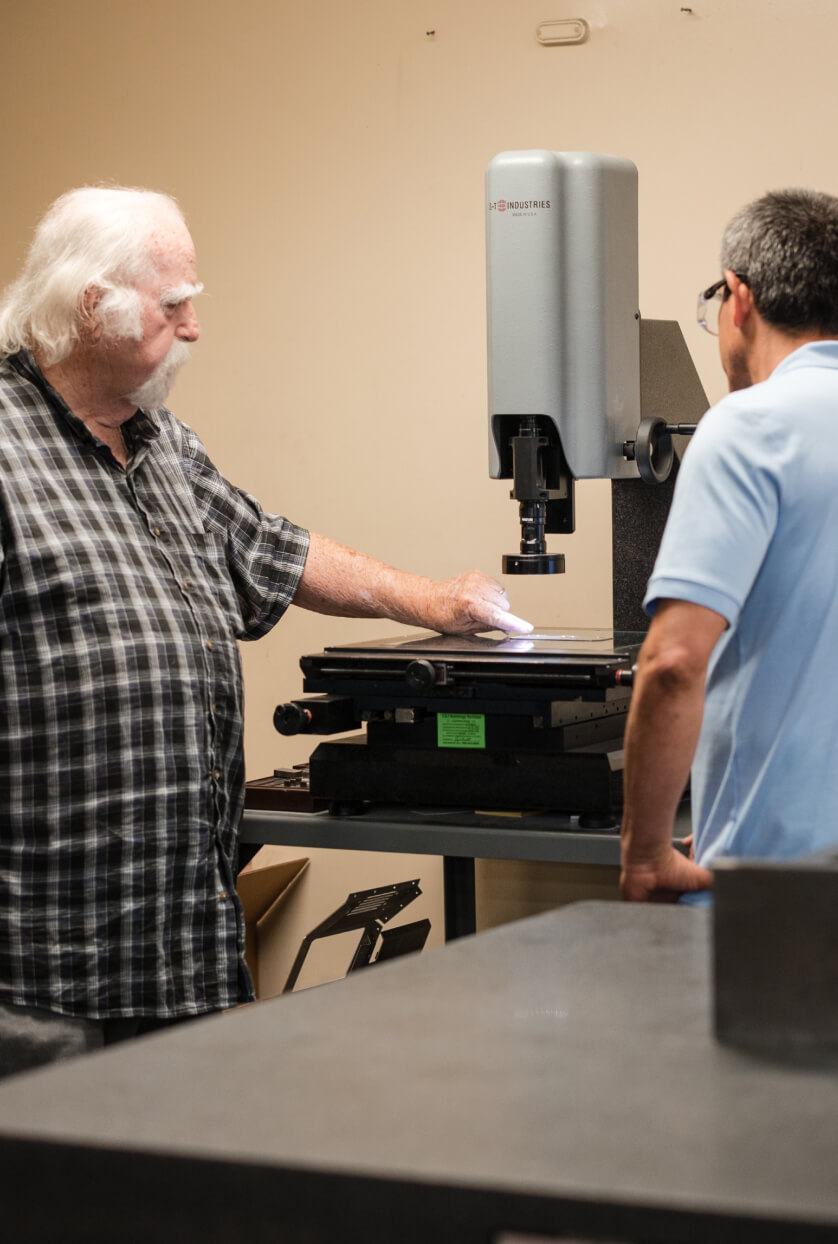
{"type": "Point", "coordinates": [154, 391]}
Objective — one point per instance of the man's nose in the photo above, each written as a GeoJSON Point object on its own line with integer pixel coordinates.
{"type": "Point", "coordinates": [189, 329]}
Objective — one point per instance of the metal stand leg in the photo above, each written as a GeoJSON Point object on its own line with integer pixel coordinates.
{"type": "Point", "coordinates": [458, 889]}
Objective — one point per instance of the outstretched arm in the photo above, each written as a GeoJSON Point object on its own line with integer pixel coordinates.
{"type": "Point", "coordinates": [340, 581]}
{"type": "Point", "coordinates": [661, 736]}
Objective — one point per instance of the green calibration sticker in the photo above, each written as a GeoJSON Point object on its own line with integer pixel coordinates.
{"type": "Point", "coordinates": [460, 730]}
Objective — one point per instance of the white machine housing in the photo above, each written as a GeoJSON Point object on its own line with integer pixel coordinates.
{"type": "Point", "coordinates": [562, 286]}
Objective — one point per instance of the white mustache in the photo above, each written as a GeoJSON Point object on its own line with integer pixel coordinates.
{"type": "Point", "coordinates": [154, 391]}
{"type": "Point", "coordinates": [179, 353]}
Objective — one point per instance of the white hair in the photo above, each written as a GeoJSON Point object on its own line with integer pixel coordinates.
{"type": "Point", "coordinates": [94, 238]}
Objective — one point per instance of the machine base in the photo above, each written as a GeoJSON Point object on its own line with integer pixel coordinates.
{"type": "Point", "coordinates": [588, 781]}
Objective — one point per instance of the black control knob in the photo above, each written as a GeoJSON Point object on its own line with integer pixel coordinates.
{"type": "Point", "coordinates": [291, 719]}
{"type": "Point", "coordinates": [653, 451]}
{"type": "Point", "coordinates": [421, 675]}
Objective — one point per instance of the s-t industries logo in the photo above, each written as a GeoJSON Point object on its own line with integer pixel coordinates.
{"type": "Point", "coordinates": [520, 207]}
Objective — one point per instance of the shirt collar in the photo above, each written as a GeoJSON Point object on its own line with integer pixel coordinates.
{"type": "Point", "coordinates": [812, 354]}
{"type": "Point", "coordinates": [139, 431]}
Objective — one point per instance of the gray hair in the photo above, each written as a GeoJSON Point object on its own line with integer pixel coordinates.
{"type": "Point", "coordinates": [92, 238]}
{"type": "Point", "coordinates": [785, 247]}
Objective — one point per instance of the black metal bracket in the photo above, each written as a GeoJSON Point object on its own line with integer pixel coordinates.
{"type": "Point", "coordinates": [368, 911]}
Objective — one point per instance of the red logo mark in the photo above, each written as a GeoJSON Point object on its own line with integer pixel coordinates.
{"type": "Point", "coordinates": [501, 205]}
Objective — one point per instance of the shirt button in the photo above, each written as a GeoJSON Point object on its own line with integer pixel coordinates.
{"type": "Point", "coordinates": [157, 531]}
{"type": "Point", "coordinates": [212, 708]}
{"type": "Point", "coordinates": [216, 773]}
{"type": "Point", "coordinates": [222, 894]}
{"type": "Point", "coordinates": [209, 643]}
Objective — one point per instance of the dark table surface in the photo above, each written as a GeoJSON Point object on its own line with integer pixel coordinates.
{"type": "Point", "coordinates": [558, 1075]}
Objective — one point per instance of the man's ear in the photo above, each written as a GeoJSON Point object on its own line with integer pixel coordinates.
{"type": "Point", "coordinates": [743, 299]}
{"type": "Point", "coordinates": [88, 306]}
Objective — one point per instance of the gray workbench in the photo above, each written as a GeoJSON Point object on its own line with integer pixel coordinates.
{"type": "Point", "coordinates": [553, 1076]}
{"type": "Point", "coordinates": [459, 836]}
{"type": "Point", "coordinates": [447, 832]}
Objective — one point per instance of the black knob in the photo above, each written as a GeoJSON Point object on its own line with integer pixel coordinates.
{"type": "Point", "coordinates": [653, 451]}
{"type": "Point", "coordinates": [291, 718]}
{"type": "Point", "coordinates": [421, 675]}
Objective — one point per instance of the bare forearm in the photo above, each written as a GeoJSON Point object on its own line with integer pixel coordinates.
{"type": "Point", "coordinates": [341, 581]}
{"type": "Point", "coordinates": [661, 737]}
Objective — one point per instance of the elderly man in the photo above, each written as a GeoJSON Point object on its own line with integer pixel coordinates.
{"type": "Point", "coordinates": [129, 569]}
{"type": "Point", "coordinates": [745, 588]}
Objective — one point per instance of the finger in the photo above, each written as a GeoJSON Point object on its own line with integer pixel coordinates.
{"type": "Point", "coordinates": [504, 621]}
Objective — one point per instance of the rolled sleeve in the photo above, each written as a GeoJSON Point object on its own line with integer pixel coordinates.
{"type": "Point", "coordinates": [663, 588]}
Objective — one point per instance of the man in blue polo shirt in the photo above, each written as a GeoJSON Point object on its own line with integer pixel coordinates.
{"type": "Point", "coordinates": [735, 677]}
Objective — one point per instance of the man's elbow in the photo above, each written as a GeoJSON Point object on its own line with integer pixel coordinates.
{"type": "Point", "coordinates": [675, 669]}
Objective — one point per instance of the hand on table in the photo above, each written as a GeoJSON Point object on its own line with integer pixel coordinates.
{"type": "Point", "coordinates": [474, 602]}
{"type": "Point", "coordinates": [664, 880]}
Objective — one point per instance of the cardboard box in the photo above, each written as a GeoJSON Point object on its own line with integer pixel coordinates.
{"type": "Point", "coordinates": [286, 895]}
{"type": "Point", "coordinates": [263, 884]}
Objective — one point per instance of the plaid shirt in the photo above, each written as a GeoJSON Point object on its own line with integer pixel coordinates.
{"type": "Point", "coordinates": [122, 595]}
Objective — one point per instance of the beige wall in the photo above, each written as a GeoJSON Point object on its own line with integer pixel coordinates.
{"type": "Point", "coordinates": [330, 158]}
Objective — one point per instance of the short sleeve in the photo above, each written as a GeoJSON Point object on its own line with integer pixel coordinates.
{"type": "Point", "coordinates": [265, 553]}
